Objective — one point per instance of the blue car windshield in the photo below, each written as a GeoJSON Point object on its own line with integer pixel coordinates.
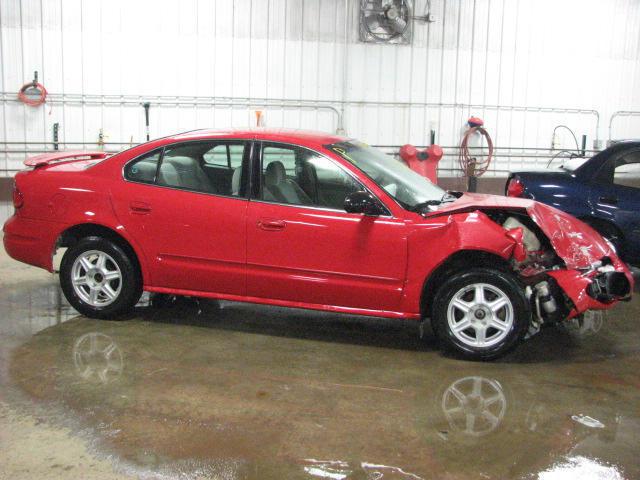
{"type": "Point", "coordinates": [407, 187]}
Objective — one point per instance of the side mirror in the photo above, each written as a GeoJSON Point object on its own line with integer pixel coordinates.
{"type": "Point", "coordinates": [363, 202]}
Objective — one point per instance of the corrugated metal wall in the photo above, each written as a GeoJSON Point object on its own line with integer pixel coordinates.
{"type": "Point", "coordinates": [103, 57]}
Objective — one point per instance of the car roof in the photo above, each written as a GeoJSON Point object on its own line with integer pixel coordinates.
{"type": "Point", "coordinates": [626, 140]}
{"type": "Point", "coordinates": [621, 144]}
{"type": "Point", "coordinates": [275, 134]}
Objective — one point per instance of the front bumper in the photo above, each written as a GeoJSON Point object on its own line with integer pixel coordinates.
{"type": "Point", "coordinates": [607, 287]}
{"type": "Point", "coordinates": [598, 290]}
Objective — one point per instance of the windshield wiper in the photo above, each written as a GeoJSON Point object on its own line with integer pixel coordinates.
{"type": "Point", "coordinates": [418, 208]}
{"type": "Point", "coordinates": [446, 198]}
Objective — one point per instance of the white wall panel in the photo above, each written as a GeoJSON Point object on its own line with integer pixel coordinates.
{"type": "Point", "coordinates": [571, 54]}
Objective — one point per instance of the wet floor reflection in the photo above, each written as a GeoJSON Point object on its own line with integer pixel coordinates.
{"type": "Point", "coordinates": [474, 405]}
{"type": "Point", "coordinates": [97, 358]}
{"type": "Point", "coordinates": [198, 388]}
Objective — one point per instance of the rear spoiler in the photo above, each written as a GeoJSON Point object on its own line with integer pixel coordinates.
{"type": "Point", "coordinates": [53, 157]}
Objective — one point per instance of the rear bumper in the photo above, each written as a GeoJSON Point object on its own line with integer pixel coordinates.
{"type": "Point", "coordinates": [31, 241]}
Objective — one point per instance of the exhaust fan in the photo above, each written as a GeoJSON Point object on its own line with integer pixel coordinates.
{"type": "Point", "coordinates": [385, 21]}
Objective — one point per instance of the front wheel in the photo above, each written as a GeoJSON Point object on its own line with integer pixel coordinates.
{"type": "Point", "coordinates": [480, 314]}
{"type": "Point", "coordinates": [99, 279]}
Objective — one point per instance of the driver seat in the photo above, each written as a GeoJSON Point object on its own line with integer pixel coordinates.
{"type": "Point", "coordinates": [282, 189]}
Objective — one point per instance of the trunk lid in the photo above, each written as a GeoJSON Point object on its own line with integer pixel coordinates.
{"type": "Point", "coordinates": [574, 241]}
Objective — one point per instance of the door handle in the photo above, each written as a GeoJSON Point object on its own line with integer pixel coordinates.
{"type": "Point", "coordinates": [608, 200]}
{"type": "Point", "coordinates": [140, 208]}
{"type": "Point", "coordinates": [271, 225]}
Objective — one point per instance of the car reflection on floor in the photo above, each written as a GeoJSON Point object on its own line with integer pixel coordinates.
{"type": "Point", "coordinates": [212, 388]}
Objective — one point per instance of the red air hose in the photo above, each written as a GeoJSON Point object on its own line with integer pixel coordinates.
{"type": "Point", "coordinates": [33, 102]}
{"type": "Point", "coordinates": [471, 165]}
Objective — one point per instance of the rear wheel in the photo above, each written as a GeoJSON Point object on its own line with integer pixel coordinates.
{"type": "Point", "coordinates": [99, 279]}
{"type": "Point", "coordinates": [480, 314]}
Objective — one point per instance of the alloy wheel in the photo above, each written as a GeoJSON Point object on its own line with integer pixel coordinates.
{"type": "Point", "coordinates": [96, 278]}
{"type": "Point", "coordinates": [480, 315]}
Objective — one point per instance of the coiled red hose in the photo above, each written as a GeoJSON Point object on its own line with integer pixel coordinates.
{"type": "Point", "coordinates": [469, 164]}
{"type": "Point", "coordinates": [33, 102]}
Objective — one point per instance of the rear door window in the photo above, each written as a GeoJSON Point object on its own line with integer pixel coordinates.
{"type": "Point", "coordinates": [207, 167]}
{"type": "Point", "coordinates": [627, 170]}
{"type": "Point", "coordinates": [623, 170]}
{"type": "Point", "coordinates": [227, 155]}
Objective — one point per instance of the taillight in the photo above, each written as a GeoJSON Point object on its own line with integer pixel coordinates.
{"type": "Point", "coordinates": [515, 188]}
{"type": "Point", "coordinates": [18, 198]}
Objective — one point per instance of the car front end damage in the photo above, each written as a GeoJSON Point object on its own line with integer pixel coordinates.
{"type": "Point", "coordinates": [567, 268]}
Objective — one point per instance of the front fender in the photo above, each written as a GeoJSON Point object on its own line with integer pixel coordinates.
{"type": "Point", "coordinates": [434, 240]}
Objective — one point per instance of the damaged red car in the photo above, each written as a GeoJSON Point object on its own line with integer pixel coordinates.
{"type": "Point", "coordinates": [307, 220]}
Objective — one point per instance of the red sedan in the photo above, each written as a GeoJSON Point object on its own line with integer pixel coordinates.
{"type": "Point", "coordinates": [308, 220]}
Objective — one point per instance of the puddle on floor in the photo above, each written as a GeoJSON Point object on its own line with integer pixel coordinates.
{"type": "Point", "coordinates": [202, 389]}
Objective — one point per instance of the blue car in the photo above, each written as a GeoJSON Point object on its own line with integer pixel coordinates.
{"type": "Point", "coordinates": [603, 191]}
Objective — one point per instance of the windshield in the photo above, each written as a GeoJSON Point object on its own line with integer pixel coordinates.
{"type": "Point", "coordinates": [409, 188]}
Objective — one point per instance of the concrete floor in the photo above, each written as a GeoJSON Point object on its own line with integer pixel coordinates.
{"type": "Point", "coordinates": [207, 390]}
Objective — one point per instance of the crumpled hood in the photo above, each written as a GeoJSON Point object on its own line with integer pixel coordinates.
{"type": "Point", "coordinates": [574, 241]}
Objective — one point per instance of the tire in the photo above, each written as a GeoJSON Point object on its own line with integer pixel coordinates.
{"type": "Point", "coordinates": [107, 283]}
{"type": "Point", "coordinates": [497, 313]}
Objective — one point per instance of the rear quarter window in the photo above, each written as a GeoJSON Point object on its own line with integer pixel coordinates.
{"type": "Point", "coordinates": [144, 168]}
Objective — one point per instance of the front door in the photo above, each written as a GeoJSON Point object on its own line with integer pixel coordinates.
{"type": "Point", "coordinates": [187, 207]}
{"type": "Point", "coordinates": [303, 247]}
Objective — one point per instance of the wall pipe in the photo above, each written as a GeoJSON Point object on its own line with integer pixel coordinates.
{"type": "Point", "coordinates": [504, 155]}
{"type": "Point", "coordinates": [511, 108]}
{"type": "Point", "coordinates": [178, 101]}
{"type": "Point", "coordinates": [345, 63]}
{"type": "Point", "coordinates": [328, 105]}
{"type": "Point", "coordinates": [621, 113]}
{"type": "Point", "coordinates": [394, 147]}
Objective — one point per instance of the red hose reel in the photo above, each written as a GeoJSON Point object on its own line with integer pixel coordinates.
{"type": "Point", "coordinates": [26, 96]}
{"type": "Point", "coordinates": [472, 164]}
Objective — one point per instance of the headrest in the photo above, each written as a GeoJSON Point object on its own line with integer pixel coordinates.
{"type": "Point", "coordinates": [181, 162]}
{"type": "Point", "coordinates": [274, 174]}
{"type": "Point", "coordinates": [168, 175]}
{"type": "Point", "coordinates": [235, 181]}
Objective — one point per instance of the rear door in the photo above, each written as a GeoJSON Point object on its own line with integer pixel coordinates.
{"type": "Point", "coordinates": [188, 216]}
{"type": "Point", "coordinates": [615, 196]}
{"type": "Point", "coordinates": [302, 246]}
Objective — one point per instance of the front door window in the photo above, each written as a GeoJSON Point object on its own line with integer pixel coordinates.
{"type": "Point", "coordinates": [297, 176]}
